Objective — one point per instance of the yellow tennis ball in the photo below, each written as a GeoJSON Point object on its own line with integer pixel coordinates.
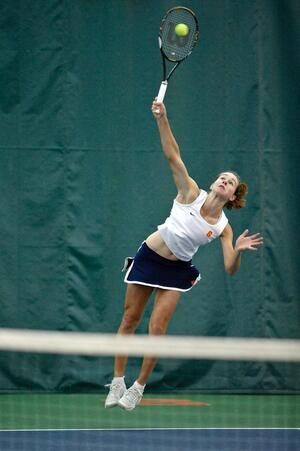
{"type": "Point", "coordinates": [181, 29]}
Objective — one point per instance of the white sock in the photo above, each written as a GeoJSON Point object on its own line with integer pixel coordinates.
{"type": "Point", "coordinates": [139, 386]}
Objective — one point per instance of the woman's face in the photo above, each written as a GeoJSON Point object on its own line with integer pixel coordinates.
{"type": "Point", "coordinates": [225, 185]}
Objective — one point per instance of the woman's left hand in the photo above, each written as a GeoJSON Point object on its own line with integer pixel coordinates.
{"type": "Point", "coordinates": [251, 242]}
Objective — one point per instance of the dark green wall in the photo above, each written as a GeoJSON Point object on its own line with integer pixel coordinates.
{"type": "Point", "coordinates": [83, 179]}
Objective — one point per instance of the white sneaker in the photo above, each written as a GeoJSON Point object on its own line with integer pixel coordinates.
{"type": "Point", "coordinates": [132, 397]}
{"type": "Point", "coordinates": [117, 389]}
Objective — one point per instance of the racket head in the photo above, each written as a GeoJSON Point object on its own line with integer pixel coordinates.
{"type": "Point", "coordinates": [173, 47]}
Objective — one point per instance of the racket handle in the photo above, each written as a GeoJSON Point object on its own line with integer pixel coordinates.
{"type": "Point", "coordinates": [161, 93]}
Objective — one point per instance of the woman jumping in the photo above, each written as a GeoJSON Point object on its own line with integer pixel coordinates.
{"type": "Point", "coordinates": [164, 261]}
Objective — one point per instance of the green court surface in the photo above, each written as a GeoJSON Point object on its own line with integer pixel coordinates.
{"type": "Point", "coordinates": [86, 411]}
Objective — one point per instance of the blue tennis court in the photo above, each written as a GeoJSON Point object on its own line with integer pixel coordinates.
{"type": "Point", "coordinates": [150, 440]}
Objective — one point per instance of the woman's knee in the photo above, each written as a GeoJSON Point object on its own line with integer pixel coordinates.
{"type": "Point", "coordinates": [135, 302]}
{"type": "Point", "coordinates": [130, 321]}
{"type": "Point", "coordinates": [157, 327]}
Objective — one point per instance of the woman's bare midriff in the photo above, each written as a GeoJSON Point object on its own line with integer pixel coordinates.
{"type": "Point", "coordinates": [157, 244]}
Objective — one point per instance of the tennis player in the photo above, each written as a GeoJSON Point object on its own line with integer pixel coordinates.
{"type": "Point", "coordinates": [164, 260]}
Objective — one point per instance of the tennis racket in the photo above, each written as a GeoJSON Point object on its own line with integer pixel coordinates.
{"type": "Point", "coordinates": [178, 34]}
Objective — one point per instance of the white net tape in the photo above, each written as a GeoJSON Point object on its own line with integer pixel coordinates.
{"type": "Point", "coordinates": [96, 344]}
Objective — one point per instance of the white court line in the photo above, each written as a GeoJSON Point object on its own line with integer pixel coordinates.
{"type": "Point", "coordinates": [150, 429]}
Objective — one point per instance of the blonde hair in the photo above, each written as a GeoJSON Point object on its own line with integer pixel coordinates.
{"type": "Point", "coordinates": [240, 193]}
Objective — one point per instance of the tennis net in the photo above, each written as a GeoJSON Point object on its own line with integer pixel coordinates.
{"type": "Point", "coordinates": [206, 393]}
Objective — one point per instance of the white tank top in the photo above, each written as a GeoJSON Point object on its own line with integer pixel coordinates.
{"type": "Point", "coordinates": [184, 231]}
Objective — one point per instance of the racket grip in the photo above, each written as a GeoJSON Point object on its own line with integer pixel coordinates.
{"type": "Point", "coordinates": [162, 91]}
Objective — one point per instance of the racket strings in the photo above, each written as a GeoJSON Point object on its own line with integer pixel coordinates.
{"type": "Point", "coordinates": [175, 47]}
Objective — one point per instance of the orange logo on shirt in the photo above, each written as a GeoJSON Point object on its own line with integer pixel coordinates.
{"type": "Point", "coordinates": [209, 234]}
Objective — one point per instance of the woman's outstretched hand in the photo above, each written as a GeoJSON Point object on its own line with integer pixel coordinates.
{"type": "Point", "coordinates": [251, 242]}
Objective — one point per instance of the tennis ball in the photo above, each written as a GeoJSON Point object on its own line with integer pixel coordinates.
{"type": "Point", "coordinates": [181, 29]}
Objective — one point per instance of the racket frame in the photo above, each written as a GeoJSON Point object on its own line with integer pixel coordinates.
{"type": "Point", "coordinates": [164, 83]}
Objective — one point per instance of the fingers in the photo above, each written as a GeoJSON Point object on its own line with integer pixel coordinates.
{"type": "Point", "coordinates": [255, 243]}
{"type": "Point", "coordinates": [245, 232]}
{"type": "Point", "coordinates": [251, 242]}
{"type": "Point", "coordinates": [157, 109]}
{"type": "Point", "coordinates": [256, 237]}
{"type": "Point", "coordinates": [156, 104]}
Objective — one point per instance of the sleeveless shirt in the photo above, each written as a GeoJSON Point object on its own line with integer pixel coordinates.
{"type": "Point", "coordinates": [185, 230]}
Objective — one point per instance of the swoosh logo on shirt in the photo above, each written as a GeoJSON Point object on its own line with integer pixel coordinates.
{"type": "Point", "coordinates": [192, 213]}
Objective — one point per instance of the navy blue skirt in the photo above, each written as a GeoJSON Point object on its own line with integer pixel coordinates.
{"type": "Point", "coordinates": [150, 269]}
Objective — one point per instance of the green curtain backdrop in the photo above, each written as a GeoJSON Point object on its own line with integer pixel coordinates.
{"type": "Point", "coordinates": [83, 179]}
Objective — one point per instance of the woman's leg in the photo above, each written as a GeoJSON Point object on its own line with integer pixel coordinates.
{"type": "Point", "coordinates": [164, 306]}
{"type": "Point", "coordinates": [135, 302]}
